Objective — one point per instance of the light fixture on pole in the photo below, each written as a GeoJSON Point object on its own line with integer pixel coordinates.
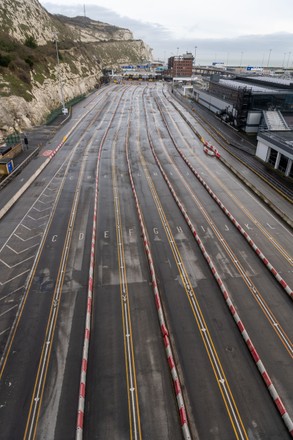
{"type": "Point", "coordinates": [241, 59]}
{"type": "Point", "coordinates": [270, 51]}
{"type": "Point", "coordinates": [176, 63]}
{"type": "Point", "coordinates": [289, 55]}
{"type": "Point", "coordinates": [195, 47]}
{"type": "Point", "coordinates": [64, 109]}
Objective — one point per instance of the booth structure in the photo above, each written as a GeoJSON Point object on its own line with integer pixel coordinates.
{"type": "Point", "coordinates": [6, 166]}
{"type": "Point", "coordinates": [276, 148]}
{"type": "Point", "coordinates": [7, 153]}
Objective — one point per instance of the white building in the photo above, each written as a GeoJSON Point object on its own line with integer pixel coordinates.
{"type": "Point", "coordinates": [276, 148]}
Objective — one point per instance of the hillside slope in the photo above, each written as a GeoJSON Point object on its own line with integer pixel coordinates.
{"type": "Point", "coordinates": [29, 74]}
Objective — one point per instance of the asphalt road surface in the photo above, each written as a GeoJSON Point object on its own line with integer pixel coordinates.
{"type": "Point", "coordinates": [130, 223]}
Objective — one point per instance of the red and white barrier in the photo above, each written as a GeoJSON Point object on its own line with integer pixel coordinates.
{"type": "Point", "coordinates": [258, 252]}
{"type": "Point", "coordinates": [85, 351]}
{"type": "Point", "coordinates": [268, 382]}
{"type": "Point", "coordinates": [163, 326]}
{"type": "Point", "coordinates": [82, 386]}
{"type": "Point", "coordinates": [210, 147]}
{"type": "Point", "coordinates": [208, 152]}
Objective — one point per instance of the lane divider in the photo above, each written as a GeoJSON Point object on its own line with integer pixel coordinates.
{"type": "Point", "coordinates": [247, 237]}
{"type": "Point", "coordinates": [236, 172]}
{"type": "Point", "coordinates": [258, 252]}
{"type": "Point", "coordinates": [87, 332]}
{"type": "Point", "coordinates": [255, 171]}
{"type": "Point", "coordinates": [162, 322]}
{"type": "Point", "coordinates": [208, 152]}
{"type": "Point", "coordinates": [210, 147]}
{"type": "Point", "coordinates": [264, 374]}
{"type": "Point", "coordinates": [84, 364]}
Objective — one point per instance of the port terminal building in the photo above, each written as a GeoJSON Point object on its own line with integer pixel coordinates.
{"type": "Point", "coordinates": [258, 105]}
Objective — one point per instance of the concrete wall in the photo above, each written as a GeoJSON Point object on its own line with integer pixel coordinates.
{"type": "Point", "coordinates": [213, 104]}
{"type": "Point", "coordinates": [216, 105]}
{"type": "Point", "coordinates": [262, 151]}
{"type": "Point", "coordinates": [253, 121]}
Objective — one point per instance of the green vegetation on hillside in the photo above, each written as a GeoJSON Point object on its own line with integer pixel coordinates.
{"type": "Point", "coordinates": [18, 61]}
{"type": "Point", "coordinates": [22, 64]}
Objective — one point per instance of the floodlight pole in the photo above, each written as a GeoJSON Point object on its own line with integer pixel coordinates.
{"type": "Point", "coordinates": [270, 51]}
{"type": "Point", "coordinates": [64, 109]}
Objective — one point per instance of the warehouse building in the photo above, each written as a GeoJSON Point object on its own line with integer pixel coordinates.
{"type": "Point", "coordinates": [241, 102]}
{"type": "Point", "coordinates": [257, 105]}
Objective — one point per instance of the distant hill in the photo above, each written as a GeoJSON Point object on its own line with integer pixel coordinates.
{"type": "Point", "coordinates": [29, 81]}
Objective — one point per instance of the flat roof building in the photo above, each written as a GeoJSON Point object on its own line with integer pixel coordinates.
{"type": "Point", "coordinates": [241, 101]}
{"type": "Point", "coordinates": [181, 65]}
{"type": "Point", "coordinates": [276, 149]}
{"type": "Point", "coordinates": [257, 105]}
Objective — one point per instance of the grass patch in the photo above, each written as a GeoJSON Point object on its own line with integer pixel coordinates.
{"type": "Point", "coordinates": [58, 111]}
{"type": "Point", "coordinates": [17, 87]}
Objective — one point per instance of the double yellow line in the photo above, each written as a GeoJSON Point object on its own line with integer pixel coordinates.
{"type": "Point", "coordinates": [276, 326]}
{"type": "Point", "coordinates": [129, 357]}
{"type": "Point", "coordinates": [38, 391]}
{"type": "Point", "coordinates": [231, 407]}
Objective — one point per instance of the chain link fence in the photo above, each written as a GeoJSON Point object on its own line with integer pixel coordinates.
{"type": "Point", "coordinates": [13, 139]}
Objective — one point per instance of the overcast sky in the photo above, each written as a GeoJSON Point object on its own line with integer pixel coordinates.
{"type": "Point", "coordinates": [252, 32]}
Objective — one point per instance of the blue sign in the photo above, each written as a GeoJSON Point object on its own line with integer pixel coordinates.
{"type": "Point", "coordinates": [9, 166]}
{"type": "Point", "coordinates": [252, 68]}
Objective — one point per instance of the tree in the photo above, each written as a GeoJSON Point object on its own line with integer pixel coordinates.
{"type": "Point", "coordinates": [30, 42]}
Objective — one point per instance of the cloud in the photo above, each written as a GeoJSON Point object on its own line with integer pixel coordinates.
{"type": "Point", "coordinates": [245, 49]}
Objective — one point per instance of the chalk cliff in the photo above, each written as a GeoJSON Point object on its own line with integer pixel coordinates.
{"type": "Point", "coordinates": [30, 76]}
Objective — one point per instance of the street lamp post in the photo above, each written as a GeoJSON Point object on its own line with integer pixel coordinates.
{"type": "Point", "coordinates": [64, 109]}
{"type": "Point", "coordinates": [177, 58]}
{"type": "Point", "coordinates": [289, 55]}
{"type": "Point", "coordinates": [270, 51]}
{"type": "Point", "coordinates": [195, 47]}
{"type": "Point", "coordinates": [283, 64]}
{"type": "Point", "coordinates": [241, 59]}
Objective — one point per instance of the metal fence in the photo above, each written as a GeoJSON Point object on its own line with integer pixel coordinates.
{"type": "Point", "coordinates": [13, 139]}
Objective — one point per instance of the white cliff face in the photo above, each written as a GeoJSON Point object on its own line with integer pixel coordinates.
{"type": "Point", "coordinates": [20, 18]}
{"type": "Point", "coordinates": [89, 47]}
{"type": "Point", "coordinates": [86, 30]}
{"type": "Point", "coordinates": [18, 114]}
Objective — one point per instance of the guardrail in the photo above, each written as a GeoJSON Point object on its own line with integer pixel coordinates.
{"type": "Point", "coordinates": [18, 169]}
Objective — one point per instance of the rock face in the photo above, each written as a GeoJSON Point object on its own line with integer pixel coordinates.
{"type": "Point", "coordinates": [21, 18]}
{"type": "Point", "coordinates": [31, 78]}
